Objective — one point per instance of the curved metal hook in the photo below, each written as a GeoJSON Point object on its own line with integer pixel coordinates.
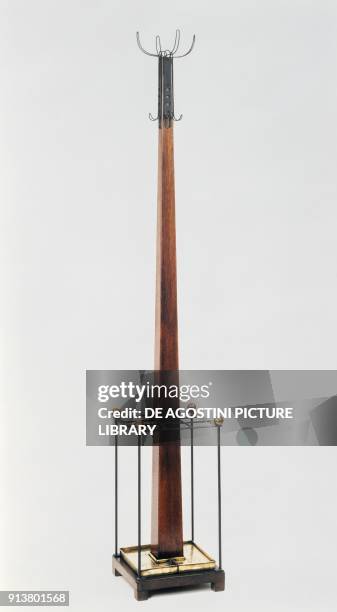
{"type": "Point", "coordinates": [176, 42]}
{"type": "Point", "coordinates": [158, 45]}
{"type": "Point", "coordinates": [177, 119]}
{"type": "Point", "coordinates": [189, 51]}
{"type": "Point", "coordinates": [142, 48]}
{"type": "Point", "coordinates": [153, 118]}
{"type": "Point", "coordinates": [166, 53]}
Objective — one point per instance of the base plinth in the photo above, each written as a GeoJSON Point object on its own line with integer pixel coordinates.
{"type": "Point", "coordinates": [145, 585]}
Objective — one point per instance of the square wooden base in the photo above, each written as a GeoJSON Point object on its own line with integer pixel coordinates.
{"type": "Point", "coordinates": [144, 586]}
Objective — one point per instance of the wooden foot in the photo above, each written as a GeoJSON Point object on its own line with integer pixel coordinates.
{"type": "Point", "coordinates": [219, 583]}
{"type": "Point", "coordinates": [141, 595]}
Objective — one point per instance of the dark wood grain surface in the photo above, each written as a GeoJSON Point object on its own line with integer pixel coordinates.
{"type": "Point", "coordinates": [167, 522]}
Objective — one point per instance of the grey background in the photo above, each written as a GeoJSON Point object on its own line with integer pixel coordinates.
{"type": "Point", "coordinates": [256, 158]}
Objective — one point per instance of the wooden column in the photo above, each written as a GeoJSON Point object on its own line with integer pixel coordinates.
{"type": "Point", "coordinates": [167, 528]}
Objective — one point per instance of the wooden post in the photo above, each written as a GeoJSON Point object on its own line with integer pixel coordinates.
{"type": "Point", "coordinates": [167, 524]}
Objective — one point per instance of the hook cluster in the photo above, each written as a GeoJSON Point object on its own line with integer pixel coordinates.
{"type": "Point", "coordinates": [165, 114]}
{"type": "Point", "coordinates": [160, 52]}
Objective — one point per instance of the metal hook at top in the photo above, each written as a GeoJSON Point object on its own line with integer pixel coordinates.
{"type": "Point", "coordinates": [189, 51]}
{"type": "Point", "coordinates": [158, 45]}
{"type": "Point", "coordinates": [165, 115]}
{"type": "Point", "coordinates": [142, 48]}
{"type": "Point", "coordinates": [166, 52]}
{"type": "Point", "coordinates": [176, 42]}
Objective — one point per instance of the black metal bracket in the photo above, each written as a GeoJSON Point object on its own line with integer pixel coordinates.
{"type": "Point", "coordinates": [165, 115]}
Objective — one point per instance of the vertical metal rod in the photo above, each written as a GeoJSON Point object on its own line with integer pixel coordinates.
{"type": "Point", "coordinates": [116, 495]}
{"type": "Point", "coordinates": [139, 506]}
{"type": "Point", "coordinates": [192, 481]}
{"type": "Point", "coordinates": [219, 495]}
